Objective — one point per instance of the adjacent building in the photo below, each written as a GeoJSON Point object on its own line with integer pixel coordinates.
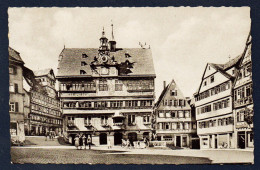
{"type": "Point", "coordinates": [243, 101]}
{"type": "Point", "coordinates": [107, 92]}
{"type": "Point", "coordinates": [45, 114]}
{"type": "Point", "coordinates": [16, 98]}
{"type": "Point", "coordinates": [175, 122]}
{"type": "Point", "coordinates": [213, 102]}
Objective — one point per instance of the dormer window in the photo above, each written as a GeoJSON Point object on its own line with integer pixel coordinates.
{"type": "Point", "coordinates": [84, 55]}
{"type": "Point", "coordinates": [83, 63]}
{"type": "Point", "coordinates": [209, 67]}
{"type": "Point", "coordinates": [82, 72]}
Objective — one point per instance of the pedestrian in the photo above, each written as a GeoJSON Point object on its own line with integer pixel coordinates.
{"type": "Point", "coordinates": [84, 141]}
{"type": "Point", "coordinates": [138, 144]}
{"type": "Point", "coordinates": [123, 143]}
{"type": "Point", "coordinates": [128, 143]}
{"type": "Point", "coordinates": [109, 144]}
{"type": "Point", "coordinates": [46, 136]}
{"type": "Point", "coordinates": [80, 141]}
{"type": "Point", "coordinates": [89, 142]}
{"type": "Point", "coordinates": [77, 141]}
{"type": "Point", "coordinates": [50, 135]}
{"type": "Point", "coordinates": [145, 143]}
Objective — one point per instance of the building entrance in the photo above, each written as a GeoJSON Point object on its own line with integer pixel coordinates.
{"type": "Point", "coordinates": [132, 136]}
{"type": "Point", "coordinates": [118, 138]}
{"type": "Point", "coordinates": [241, 140]}
{"type": "Point", "coordinates": [178, 141]}
{"type": "Point", "coordinates": [103, 138]}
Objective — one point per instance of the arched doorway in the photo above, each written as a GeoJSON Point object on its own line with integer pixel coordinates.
{"type": "Point", "coordinates": [103, 138]}
{"type": "Point", "coordinates": [132, 136]}
{"type": "Point", "coordinates": [118, 138]}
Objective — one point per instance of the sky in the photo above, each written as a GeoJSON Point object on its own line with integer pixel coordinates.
{"type": "Point", "coordinates": [182, 39]}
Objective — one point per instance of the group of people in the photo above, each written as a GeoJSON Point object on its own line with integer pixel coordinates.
{"type": "Point", "coordinates": [50, 134]}
{"type": "Point", "coordinates": [82, 141]}
{"type": "Point", "coordinates": [130, 143]}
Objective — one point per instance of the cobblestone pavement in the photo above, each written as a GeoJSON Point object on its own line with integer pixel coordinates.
{"type": "Point", "coordinates": [53, 152]}
{"type": "Point", "coordinates": [69, 156]}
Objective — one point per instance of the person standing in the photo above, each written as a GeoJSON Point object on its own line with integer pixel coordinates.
{"type": "Point", "coordinates": [89, 142]}
{"type": "Point", "coordinates": [46, 136]}
{"type": "Point", "coordinates": [80, 141]}
{"type": "Point", "coordinates": [77, 141]}
{"type": "Point", "coordinates": [84, 141]}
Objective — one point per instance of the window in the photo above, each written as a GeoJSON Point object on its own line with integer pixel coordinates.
{"type": "Point", "coordinates": [205, 83]}
{"type": "Point", "coordinates": [174, 126]}
{"type": "Point", "coordinates": [173, 114]}
{"type": "Point", "coordinates": [103, 85]}
{"type": "Point", "coordinates": [168, 114]}
{"type": "Point", "coordinates": [131, 119]}
{"type": "Point", "coordinates": [146, 118]}
{"type": "Point", "coordinates": [82, 72]}
{"type": "Point", "coordinates": [180, 114]}
{"type": "Point", "coordinates": [165, 102]}
{"type": "Point", "coordinates": [187, 114]}
{"type": "Point", "coordinates": [212, 79]}
{"type": "Point", "coordinates": [180, 102]}
{"type": "Point", "coordinates": [16, 88]}
{"type": "Point", "coordinates": [118, 86]}
{"type": "Point", "coordinates": [170, 102]}
{"type": "Point", "coordinates": [161, 114]}
{"type": "Point", "coordinates": [186, 126]}
{"type": "Point", "coordinates": [104, 120]}
{"type": "Point", "coordinates": [11, 88]}
{"type": "Point", "coordinates": [12, 70]}
{"type": "Point", "coordinates": [83, 63]}
{"type": "Point", "coordinates": [173, 92]}
{"type": "Point", "coordinates": [12, 107]}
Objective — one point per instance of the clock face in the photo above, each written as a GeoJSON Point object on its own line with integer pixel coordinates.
{"type": "Point", "coordinates": [104, 59]}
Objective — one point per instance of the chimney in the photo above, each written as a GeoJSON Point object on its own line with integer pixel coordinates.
{"type": "Point", "coordinates": [164, 84]}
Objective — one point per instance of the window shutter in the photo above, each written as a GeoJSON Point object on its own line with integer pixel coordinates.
{"type": "Point", "coordinates": [16, 88]}
{"type": "Point", "coordinates": [16, 107]}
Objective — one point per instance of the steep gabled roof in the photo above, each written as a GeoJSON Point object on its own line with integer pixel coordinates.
{"type": "Point", "coordinates": [14, 55]}
{"type": "Point", "coordinates": [43, 72]}
{"type": "Point", "coordinates": [71, 58]}
{"type": "Point", "coordinates": [222, 68]}
{"type": "Point", "coordinates": [247, 48]}
{"type": "Point", "coordinates": [166, 90]}
{"type": "Point", "coordinates": [162, 95]}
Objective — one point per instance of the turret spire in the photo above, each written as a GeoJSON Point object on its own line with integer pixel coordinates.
{"type": "Point", "coordinates": [112, 30]}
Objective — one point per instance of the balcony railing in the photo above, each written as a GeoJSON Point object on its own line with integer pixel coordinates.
{"type": "Point", "coordinates": [243, 101]}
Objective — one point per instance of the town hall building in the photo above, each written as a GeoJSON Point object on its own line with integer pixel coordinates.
{"type": "Point", "coordinates": [107, 92]}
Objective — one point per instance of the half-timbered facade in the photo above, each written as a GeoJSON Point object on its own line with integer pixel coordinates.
{"type": "Point", "coordinates": [214, 111]}
{"type": "Point", "coordinates": [243, 101]}
{"type": "Point", "coordinates": [174, 122]}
